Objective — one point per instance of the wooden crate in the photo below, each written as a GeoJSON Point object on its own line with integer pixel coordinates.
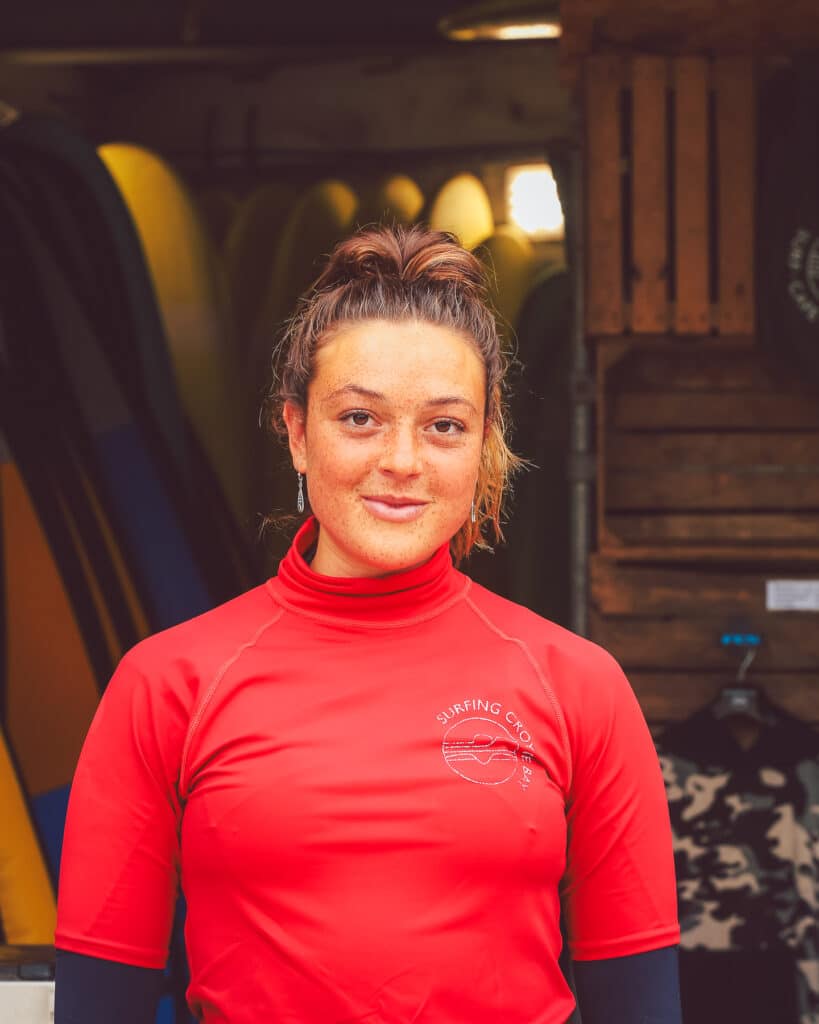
{"type": "Point", "coordinates": [670, 157]}
{"type": "Point", "coordinates": [705, 451]}
{"type": "Point", "coordinates": [664, 626]}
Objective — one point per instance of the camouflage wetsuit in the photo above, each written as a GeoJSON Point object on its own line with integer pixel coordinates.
{"type": "Point", "coordinates": [746, 842]}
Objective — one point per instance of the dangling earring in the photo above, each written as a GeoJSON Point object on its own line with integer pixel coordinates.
{"type": "Point", "coordinates": [300, 495]}
{"type": "Point", "coordinates": [472, 515]}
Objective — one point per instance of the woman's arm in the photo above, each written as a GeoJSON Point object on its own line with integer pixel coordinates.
{"type": "Point", "coordinates": [90, 990]}
{"type": "Point", "coordinates": [120, 855]}
{"type": "Point", "coordinates": [639, 989]}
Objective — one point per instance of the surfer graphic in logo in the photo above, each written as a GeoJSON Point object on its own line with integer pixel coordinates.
{"type": "Point", "coordinates": [481, 750]}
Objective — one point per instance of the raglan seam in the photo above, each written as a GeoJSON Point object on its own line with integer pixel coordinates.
{"type": "Point", "coordinates": [550, 695]}
{"type": "Point", "coordinates": [202, 706]}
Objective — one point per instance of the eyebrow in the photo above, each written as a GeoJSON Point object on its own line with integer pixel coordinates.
{"type": "Point", "coordinates": [377, 396]}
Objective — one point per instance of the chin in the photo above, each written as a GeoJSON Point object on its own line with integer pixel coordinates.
{"type": "Point", "coordinates": [393, 555]}
{"type": "Point", "coordinates": [399, 561]}
{"type": "Point", "coordinates": [369, 547]}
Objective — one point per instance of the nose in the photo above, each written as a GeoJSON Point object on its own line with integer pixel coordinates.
{"type": "Point", "coordinates": [402, 452]}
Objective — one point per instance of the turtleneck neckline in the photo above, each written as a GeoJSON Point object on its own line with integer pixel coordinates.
{"type": "Point", "coordinates": [400, 598]}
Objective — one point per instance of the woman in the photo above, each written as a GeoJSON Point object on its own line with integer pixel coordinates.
{"type": "Point", "coordinates": [377, 782]}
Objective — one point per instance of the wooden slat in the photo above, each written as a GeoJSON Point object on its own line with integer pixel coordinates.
{"type": "Point", "coordinates": [773, 452]}
{"type": "Point", "coordinates": [712, 411]}
{"type": "Point", "coordinates": [791, 642]}
{"type": "Point", "coordinates": [672, 696]}
{"type": "Point", "coordinates": [705, 454]}
{"type": "Point", "coordinates": [649, 297]}
{"type": "Point", "coordinates": [698, 554]}
{"type": "Point", "coordinates": [696, 367]}
{"type": "Point", "coordinates": [609, 354]}
{"type": "Point", "coordinates": [691, 245]}
{"type": "Point", "coordinates": [692, 488]}
{"type": "Point", "coordinates": [733, 80]}
{"type": "Point", "coordinates": [604, 253]}
{"type": "Point", "coordinates": [618, 589]}
{"type": "Point", "coordinates": [689, 25]}
{"type": "Point", "coordinates": [782, 530]}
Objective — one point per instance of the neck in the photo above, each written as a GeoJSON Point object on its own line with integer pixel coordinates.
{"type": "Point", "coordinates": [370, 600]}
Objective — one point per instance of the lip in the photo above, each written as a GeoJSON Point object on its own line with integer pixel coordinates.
{"type": "Point", "coordinates": [394, 509]}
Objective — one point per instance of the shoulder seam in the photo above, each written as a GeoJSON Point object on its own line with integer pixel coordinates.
{"type": "Point", "coordinates": [550, 696]}
{"type": "Point", "coordinates": [198, 714]}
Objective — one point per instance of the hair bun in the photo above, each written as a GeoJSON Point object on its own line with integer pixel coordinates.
{"type": "Point", "coordinates": [410, 255]}
{"type": "Point", "coordinates": [368, 254]}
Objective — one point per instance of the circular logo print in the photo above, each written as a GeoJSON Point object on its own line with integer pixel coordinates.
{"type": "Point", "coordinates": [481, 750]}
{"type": "Point", "coordinates": [803, 273]}
{"type": "Point", "coordinates": [812, 268]}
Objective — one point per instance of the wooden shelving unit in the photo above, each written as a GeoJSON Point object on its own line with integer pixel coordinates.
{"type": "Point", "coordinates": [707, 446]}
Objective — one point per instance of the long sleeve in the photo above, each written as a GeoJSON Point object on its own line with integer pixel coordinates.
{"type": "Point", "coordinates": [90, 990]}
{"type": "Point", "coordinates": [639, 989]}
{"type": "Point", "coordinates": [120, 863]}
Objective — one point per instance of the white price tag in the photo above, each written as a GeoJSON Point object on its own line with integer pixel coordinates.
{"type": "Point", "coordinates": [792, 595]}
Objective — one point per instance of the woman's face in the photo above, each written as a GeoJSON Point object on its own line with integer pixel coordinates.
{"type": "Point", "coordinates": [390, 445]}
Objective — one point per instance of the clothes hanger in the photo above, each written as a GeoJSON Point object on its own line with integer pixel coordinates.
{"type": "Point", "coordinates": [742, 698]}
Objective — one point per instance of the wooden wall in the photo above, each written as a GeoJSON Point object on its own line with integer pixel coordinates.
{"type": "Point", "coordinates": [708, 448]}
{"type": "Point", "coordinates": [670, 195]}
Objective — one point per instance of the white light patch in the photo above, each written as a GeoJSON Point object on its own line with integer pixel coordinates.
{"type": "Point", "coordinates": [532, 201]}
{"type": "Point", "coordinates": [533, 30]}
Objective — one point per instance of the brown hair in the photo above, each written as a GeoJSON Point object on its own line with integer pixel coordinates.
{"type": "Point", "coordinates": [398, 274]}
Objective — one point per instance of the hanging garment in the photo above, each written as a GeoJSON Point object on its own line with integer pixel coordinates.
{"type": "Point", "coordinates": [746, 843]}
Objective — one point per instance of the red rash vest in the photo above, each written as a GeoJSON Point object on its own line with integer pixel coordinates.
{"type": "Point", "coordinates": [375, 794]}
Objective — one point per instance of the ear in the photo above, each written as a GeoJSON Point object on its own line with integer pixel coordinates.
{"type": "Point", "coordinates": [294, 420]}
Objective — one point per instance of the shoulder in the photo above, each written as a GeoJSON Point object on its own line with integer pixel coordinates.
{"type": "Point", "coordinates": [584, 683]}
{"type": "Point", "coordinates": [187, 655]}
{"type": "Point", "coordinates": [568, 659]}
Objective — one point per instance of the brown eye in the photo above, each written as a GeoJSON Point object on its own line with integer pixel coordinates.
{"type": "Point", "coordinates": [359, 419]}
{"type": "Point", "coordinates": [447, 427]}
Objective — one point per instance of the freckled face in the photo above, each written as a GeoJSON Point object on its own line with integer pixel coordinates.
{"type": "Point", "coordinates": [390, 445]}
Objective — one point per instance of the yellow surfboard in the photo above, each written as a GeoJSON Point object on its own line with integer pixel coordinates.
{"type": "Point", "coordinates": [462, 206]}
{"type": "Point", "coordinates": [512, 262]}
{"type": "Point", "coordinates": [322, 216]}
{"type": "Point", "coordinates": [51, 688]}
{"type": "Point", "coordinates": [250, 252]}
{"type": "Point", "coordinates": [27, 904]}
{"type": "Point", "coordinates": [218, 208]}
{"type": "Point", "coordinates": [395, 199]}
{"type": "Point", "coordinates": [193, 297]}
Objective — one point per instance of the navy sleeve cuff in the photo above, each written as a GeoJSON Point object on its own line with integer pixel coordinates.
{"type": "Point", "coordinates": [89, 990]}
{"type": "Point", "coordinates": [639, 989]}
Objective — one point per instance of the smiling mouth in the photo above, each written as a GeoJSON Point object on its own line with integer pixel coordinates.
{"type": "Point", "coordinates": [394, 510]}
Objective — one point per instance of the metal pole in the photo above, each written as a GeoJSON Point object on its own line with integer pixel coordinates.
{"type": "Point", "coordinates": [581, 458]}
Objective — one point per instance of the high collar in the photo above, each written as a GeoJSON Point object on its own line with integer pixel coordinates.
{"type": "Point", "coordinates": [400, 598]}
